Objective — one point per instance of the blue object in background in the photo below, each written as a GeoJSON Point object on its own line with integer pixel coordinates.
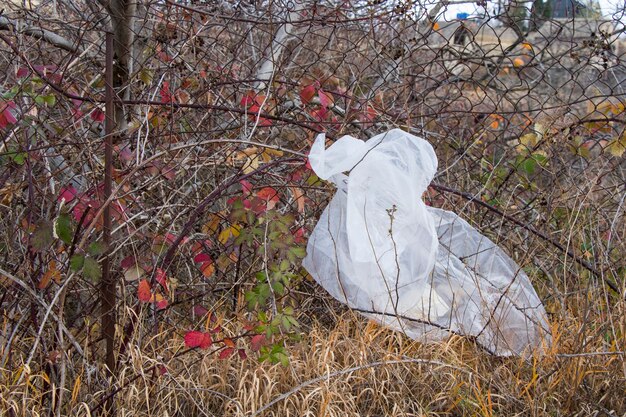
{"type": "Point", "coordinates": [462, 16]}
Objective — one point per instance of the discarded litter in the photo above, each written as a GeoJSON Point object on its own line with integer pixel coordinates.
{"type": "Point", "coordinates": [420, 270]}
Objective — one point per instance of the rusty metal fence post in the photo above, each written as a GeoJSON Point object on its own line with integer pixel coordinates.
{"type": "Point", "coordinates": [108, 284]}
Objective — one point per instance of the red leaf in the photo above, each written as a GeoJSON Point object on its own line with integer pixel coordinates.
{"type": "Point", "coordinates": [319, 114]}
{"type": "Point", "coordinates": [308, 92]}
{"type": "Point", "coordinates": [256, 342]}
{"type": "Point", "coordinates": [246, 186]}
{"type": "Point", "coordinates": [161, 278]}
{"type": "Point", "coordinates": [144, 291]}
{"type": "Point", "coordinates": [6, 116]}
{"type": "Point", "coordinates": [67, 193]}
{"type": "Point", "coordinates": [247, 100]}
{"type": "Point", "coordinates": [242, 354]}
{"type": "Point", "coordinates": [194, 338]}
{"type": "Point", "coordinates": [128, 262]}
{"type": "Point", "coordinates": [161, 304]}
{"type": "Point", "coordinates": [83, 204]}
{"type": "Point", "coordinates": [202, 257]}
{"type": "Point", "coordinates": [97, 115]}
{"type": "Point", "coordinates": [170, 238]}
{"type": "Point", "coordinates": [225, 354]}
{"type": "Point", "coordinates": [166, 95]}
{"type": "Point", "coordinates": [206, 341]}
{"type": "Point", "coordinates": [199, 310]}
{"type": "Point", "coordinates": [22, 72]}
{"type": "Point", "coordinates": [263, 122]}
{"type": "Point", "coordinates": [326, 99]}
{"type": "Point", "coordinates": [299, 235]}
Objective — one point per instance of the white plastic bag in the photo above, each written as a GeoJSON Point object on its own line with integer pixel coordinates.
{"type": "Point", "coordinates": [424, 271]}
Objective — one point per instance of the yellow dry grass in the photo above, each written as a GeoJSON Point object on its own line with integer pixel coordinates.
{"type": "Point", "coordinates": [353, 368]}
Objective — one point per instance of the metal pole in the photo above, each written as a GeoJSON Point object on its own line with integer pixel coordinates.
{"type": "Point", "coordinates": [108, 284]}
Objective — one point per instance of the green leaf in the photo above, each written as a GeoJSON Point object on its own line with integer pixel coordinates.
{"type": "Point", "coordinates": [91, 269]}
{"type": "Point", "coordinates": [19, 158]}
{"type": "Point", "coordinates": [97, 249]}
{"type": "Point", "coordinates": [77, 262]}
{"type": "Point", "coordinates": [50, 100]}
{"type": "Point", "coordinates": [298, 252]}
{"type": "Point", "coordinates": [63, 228]}
{"type": "Point", "coordinates": [278, 288]}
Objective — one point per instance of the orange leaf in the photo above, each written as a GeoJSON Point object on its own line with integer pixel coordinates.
{"type": "Point", "coordinates": [494, 125]}
{"type": "Point", "coordinates": [229, 342]}
{"type": "Point", "coordinates": [518, 62]}
{"type": "Point", "coordinates": [208, 269]}
{"type": "Point", "coordinates": [435, 26]}
{"type": "Point", "coordinates": [51, 274]}
{"type": "Point", "coordinates": [298, 196]}
{"type": "Point", "coordinates": [144, 292]}
{"type": "Point", "coordinates": [268, 194]}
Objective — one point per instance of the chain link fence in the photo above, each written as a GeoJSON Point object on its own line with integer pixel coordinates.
{"type": "Point", "coordinates": [216, 105]}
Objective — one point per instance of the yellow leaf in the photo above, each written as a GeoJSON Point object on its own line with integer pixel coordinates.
{"type": "Point", "coordinates": [527, 46]}
{"type": "Point", "coordinates": [527, 142]}
{"type": "Point", "coordinates": [253, 150]}
{"type": "Point", "coordinates": [225, 234]}
{"type": "Point", "coordinates": [212, 226]}
{"type": "Point", "coordinates": [250, 165]}
{"type": "Point", "coordinates": [617, 146]}
{"type": "Point", "coordinates": [268, 153]}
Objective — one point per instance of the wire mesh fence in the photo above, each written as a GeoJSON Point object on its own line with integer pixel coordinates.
{"type": "Point", "coordinates": [216, 106]}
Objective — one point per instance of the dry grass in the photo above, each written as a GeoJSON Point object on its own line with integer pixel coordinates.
{"type": "Point", "coordinates": [354, 368]}
{"type": "Point", "coordinates": [343, 366]}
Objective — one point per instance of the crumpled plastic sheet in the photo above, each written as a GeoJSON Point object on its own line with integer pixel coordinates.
{"type": "Point", "coordinates": [421, 270]}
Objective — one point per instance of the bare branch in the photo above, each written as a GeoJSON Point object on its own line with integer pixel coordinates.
{"type": "Point", "coordinates": [39, 33]}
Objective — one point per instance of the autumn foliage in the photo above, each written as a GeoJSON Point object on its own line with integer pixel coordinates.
{"type": "Point", "coordinates": [213, 199]}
